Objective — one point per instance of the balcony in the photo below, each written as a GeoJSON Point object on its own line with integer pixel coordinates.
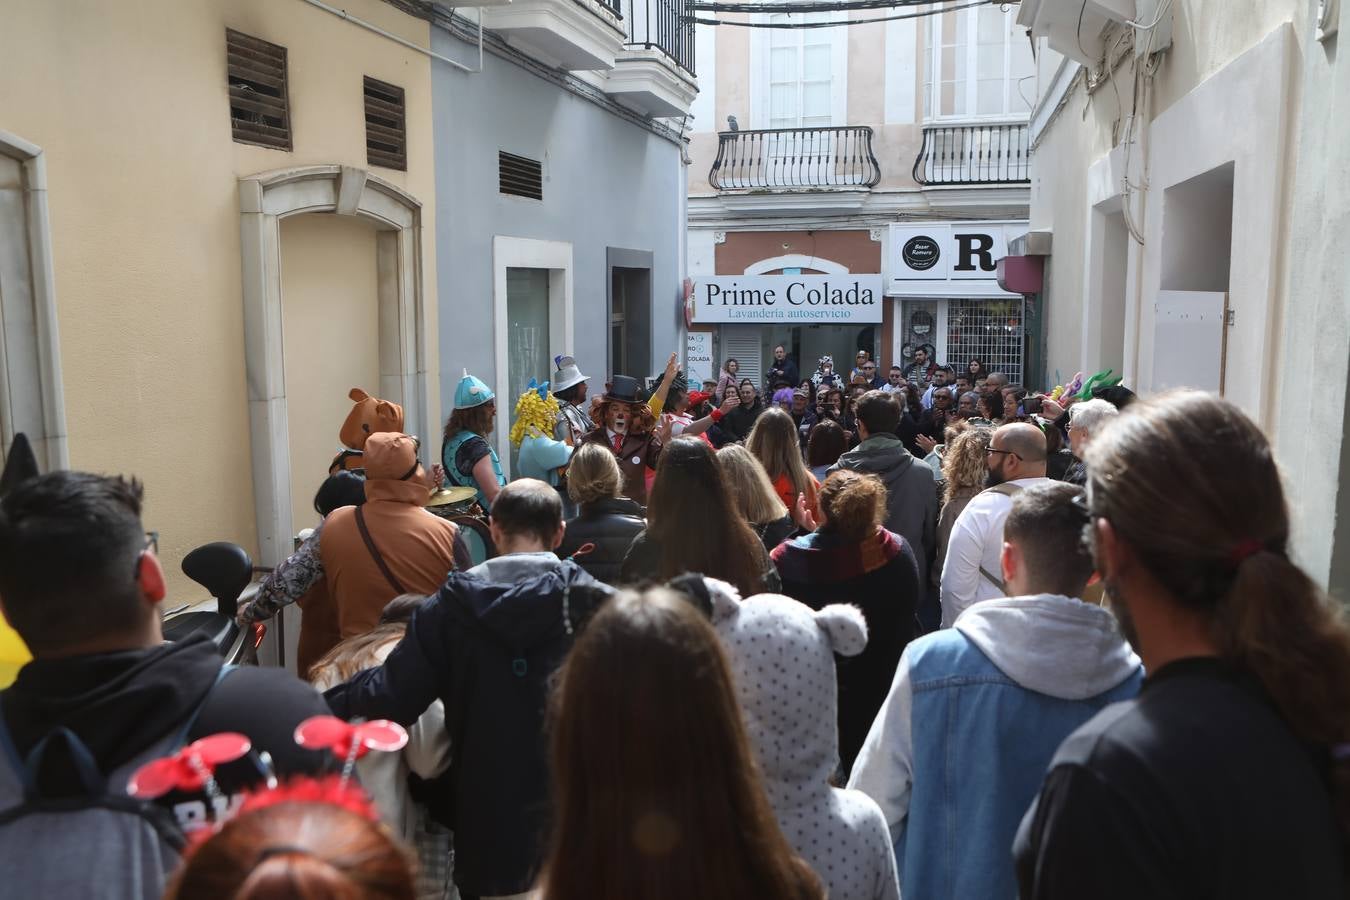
{"type": "Point", "coordinates": [577, 35]}
{"type": "Point", "coordinates": [795, 159]}
{"type": "Point", "coordinates": [974, 154]}
{"type": "Point", "coordinates": [654, 72]}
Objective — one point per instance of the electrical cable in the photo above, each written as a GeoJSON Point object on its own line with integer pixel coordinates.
{"type": "Point", "coordinates": [800, 25]}
{"type": "Point", "coordinates": [804, 6]}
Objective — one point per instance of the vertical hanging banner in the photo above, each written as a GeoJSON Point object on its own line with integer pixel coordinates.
{"type": "Point", "coordinates": [699, 359]}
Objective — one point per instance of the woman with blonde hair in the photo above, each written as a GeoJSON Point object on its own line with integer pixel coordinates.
{"type": "Point", "coordinates": [774, 443]}
{"type": "Point", "coordinates": [605, 519]}
{"type": "Point", "coordinates": [963, 473]}
{"type": "Point", "coordinates": [752, 493]}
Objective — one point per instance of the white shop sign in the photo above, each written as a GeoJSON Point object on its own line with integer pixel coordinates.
{"type": "Point", "coordinates": [801, 299]}
{"type": "Point", "coordinates": [946, 259]}
{"type": "Point", "coordinates": [698, 363]}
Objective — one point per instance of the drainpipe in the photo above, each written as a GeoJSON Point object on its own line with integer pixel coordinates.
{"type": "Point", "coordinates": [362, 23]}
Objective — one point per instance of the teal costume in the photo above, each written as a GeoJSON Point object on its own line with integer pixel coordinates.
{"type": "Point", "coordinates": [541, 457]}
{"type": "Point", "coordinates": [471, 392]}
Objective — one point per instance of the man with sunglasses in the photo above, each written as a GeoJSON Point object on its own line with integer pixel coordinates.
{"type": "Point", "coordinates": [1015, 459]}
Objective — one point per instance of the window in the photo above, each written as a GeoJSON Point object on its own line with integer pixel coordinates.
{"type": "Point", "coordinates": [259, 109]}
{"type": "Point", "coordinates": [386, 129]}
{"type": "Point", "coordinates": [527, 337]}
{"type": "Point", "coordinates": [977, 62]}
{"type": "Point", "coordinates": [800, 73]}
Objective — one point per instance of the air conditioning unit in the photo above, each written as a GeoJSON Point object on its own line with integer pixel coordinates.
{"type": "Point", "coordinates": [1075, 28]}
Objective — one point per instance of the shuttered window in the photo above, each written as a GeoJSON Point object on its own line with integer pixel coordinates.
{"type": "Point", "coordinates": [259, 110]}
{"type": "Point", "coordinates": [386, 125]}
{"type": "Point", "coordinates": [520, 176]}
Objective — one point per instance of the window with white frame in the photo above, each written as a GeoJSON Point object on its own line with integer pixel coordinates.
{"type": "Point", "coordinates": [977, 64]}
{"type": "Point", "coordinates": [798, 74]}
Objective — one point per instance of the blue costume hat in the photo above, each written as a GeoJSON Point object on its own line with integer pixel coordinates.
{"type": "Point", "coordinates": [472, 392]}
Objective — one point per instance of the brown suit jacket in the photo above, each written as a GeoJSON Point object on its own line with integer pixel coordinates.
{"type": "Point", "coordinates": [639, 452]}
{"type": "Point", "coordinates": [418, 548]}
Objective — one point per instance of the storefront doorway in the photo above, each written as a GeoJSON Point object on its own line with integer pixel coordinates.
{"type": "Point", "coordinates": [806, 344]}
{"type": "Point", "coordinates": [959, 330]}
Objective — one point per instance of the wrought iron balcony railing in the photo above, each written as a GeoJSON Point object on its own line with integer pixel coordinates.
{"type": "Point", "coordinates": [795, 158]}
{"type": "Point", "coordinates": [661, 25]}
{"type": "Point", "coordinates": [974, 154]}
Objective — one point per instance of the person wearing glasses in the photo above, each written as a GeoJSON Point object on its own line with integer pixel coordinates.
{"type": "Point", "coordinates": [1015, 459]}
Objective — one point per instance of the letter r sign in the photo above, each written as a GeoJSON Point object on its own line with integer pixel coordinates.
{"type": "Point", "coordinates": [974, 253]}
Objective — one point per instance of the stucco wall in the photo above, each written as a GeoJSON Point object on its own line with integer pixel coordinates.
{"type": "Point", "coordinates": [328, 279]}
{"type": "Point", "coordinates": [607, 183]}
{"type": "Point", "coordinates": [129, 104]}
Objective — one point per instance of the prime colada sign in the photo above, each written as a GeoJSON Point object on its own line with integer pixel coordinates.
{"type": "Point", "coordinates": [807, 299]}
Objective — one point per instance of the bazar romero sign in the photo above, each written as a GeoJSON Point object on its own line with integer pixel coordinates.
{"type": "Point", "coordinates": [808, 299]}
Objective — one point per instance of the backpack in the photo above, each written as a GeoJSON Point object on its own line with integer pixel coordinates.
{"type": "Point", "coordinates": [99, 843]}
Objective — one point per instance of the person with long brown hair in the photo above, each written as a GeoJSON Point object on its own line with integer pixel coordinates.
{"type": "Point", "coordinates": [468, 458]}
{"type": "Point", "coordinates": [852, 558]}
{"type": "Point", "coordinates": [774, 443]}
{"type": "Point", "coordinates": [963, 473]}
{"type": "Point", "coordinates": [693, 526]}
{"type": "Point", "coordinates": [1229, 776]}
{"type": "Point", "coordinates": [663, 801]}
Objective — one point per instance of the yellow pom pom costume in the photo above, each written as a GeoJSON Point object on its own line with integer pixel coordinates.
{"type": "Point", "coordinates": [540, 455]}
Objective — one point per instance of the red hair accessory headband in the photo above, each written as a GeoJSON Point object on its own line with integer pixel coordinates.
{"type": "Point", "coordinates": [1244, 549]}
{"type": "Point", "coordinates": [350, 742]}
{"type": "Point", "coordinates": [190, 769]}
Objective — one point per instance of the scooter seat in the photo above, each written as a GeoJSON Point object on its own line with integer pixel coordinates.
{"type": "Point", "coordinates": [222, 630]}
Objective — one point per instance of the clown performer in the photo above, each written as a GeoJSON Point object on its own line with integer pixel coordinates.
{"type": "Point", "coordinates": [541, 456]}
{"type": "Point", "coordinates": [467, 456]}
{"type": "Point", "coordinates": [627, 426]}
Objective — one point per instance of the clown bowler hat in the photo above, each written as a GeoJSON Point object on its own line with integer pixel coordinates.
{"type": "Point", "coordinates": [626, 390]}
{"type": "Point", "coordinates": [472, 392]}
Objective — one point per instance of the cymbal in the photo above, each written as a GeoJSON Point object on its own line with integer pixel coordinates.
{"type": "Point", "coordinates": [446, 496]}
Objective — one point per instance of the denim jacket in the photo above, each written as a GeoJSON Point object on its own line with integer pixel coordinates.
{"type": "Point", "coordinates": [973, 718]}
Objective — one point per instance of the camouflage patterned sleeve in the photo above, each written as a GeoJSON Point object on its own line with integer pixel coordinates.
{"type": "Point", "coordinates": [288, 581]}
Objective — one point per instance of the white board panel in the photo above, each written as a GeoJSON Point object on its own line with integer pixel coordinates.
{"type": "Point", "coordinates": [1188, 343]}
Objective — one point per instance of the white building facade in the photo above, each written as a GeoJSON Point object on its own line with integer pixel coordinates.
{"type": "Point", "coordinates": [1190, 159]}
{"type": "Point", "coordinates": [826, 151]}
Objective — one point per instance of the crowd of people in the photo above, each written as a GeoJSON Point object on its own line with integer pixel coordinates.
{"type": "Point", "coordinates": [921, 634]}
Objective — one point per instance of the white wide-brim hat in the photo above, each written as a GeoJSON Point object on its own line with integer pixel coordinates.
{"type": "Point", "coordinates": [568, 375]}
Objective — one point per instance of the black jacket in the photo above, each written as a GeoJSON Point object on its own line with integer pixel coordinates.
{"type": "Point", "coordinates": [611, 526]}
{"type": "Point", "coordinates": [911, 498]}
{"type": "Point", "coordinates": [487, 645]}
{"type": "Point", "coordinates": [119, 704]}
{"type": "Point", "coordinates": [771, 534]}
{"type": "Point", "coordinates": [736, 424]}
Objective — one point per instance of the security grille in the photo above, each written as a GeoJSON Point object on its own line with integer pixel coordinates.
{"type": "Point", "coordinates": [259, 110]}
{"type": "Point", "coordinates": [520, 176]}
{"type": "Point", "coordinates": [386, 128]}
{"type": "Point", "coordinates": [744, 344]}
{"type": "Point", "coordinates": [990, 331]}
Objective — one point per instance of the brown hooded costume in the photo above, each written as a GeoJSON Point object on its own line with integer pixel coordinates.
{"type": "Point", "coordinates": [417, 548]}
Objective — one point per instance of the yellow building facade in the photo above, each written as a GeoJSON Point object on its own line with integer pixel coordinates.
{"type": "Point", "coordinates": [190, 309]}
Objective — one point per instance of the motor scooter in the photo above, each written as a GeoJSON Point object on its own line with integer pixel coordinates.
{"type": "Point", "coordinates": [226, 571]}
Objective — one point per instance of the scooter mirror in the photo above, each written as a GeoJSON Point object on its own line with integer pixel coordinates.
{"type": "Point", "coordinates": [222, 568]}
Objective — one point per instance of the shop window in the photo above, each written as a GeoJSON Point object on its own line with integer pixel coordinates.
{"type": "Point", "coordinates": [977, 63]}
{"type": "Point", "coordinates": [988, 330]}
{"type": "Point", "coordinates": [527, 336]}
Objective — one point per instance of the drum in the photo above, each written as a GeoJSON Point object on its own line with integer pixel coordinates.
{"type": "Point", "coordinates": [454, 501]}
{"type": "Point", "coordinates": [460, 505]}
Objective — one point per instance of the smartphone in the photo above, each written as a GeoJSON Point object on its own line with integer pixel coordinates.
{"type": "Point", "coordinates": [1032, 405]}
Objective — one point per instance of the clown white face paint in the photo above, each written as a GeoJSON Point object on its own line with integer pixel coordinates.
{"type": "Point", "coordinates": [617, 418]}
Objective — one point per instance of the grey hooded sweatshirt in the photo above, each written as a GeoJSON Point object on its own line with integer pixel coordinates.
{"type": "Point", "coordinates": [911, 498]}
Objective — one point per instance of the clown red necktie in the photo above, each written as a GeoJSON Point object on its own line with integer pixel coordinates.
{"type": "Point", "coordinates": [618, 443]}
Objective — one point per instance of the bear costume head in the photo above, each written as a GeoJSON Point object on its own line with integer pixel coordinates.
{"type": "Point", "coordinates": [369, 415]}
